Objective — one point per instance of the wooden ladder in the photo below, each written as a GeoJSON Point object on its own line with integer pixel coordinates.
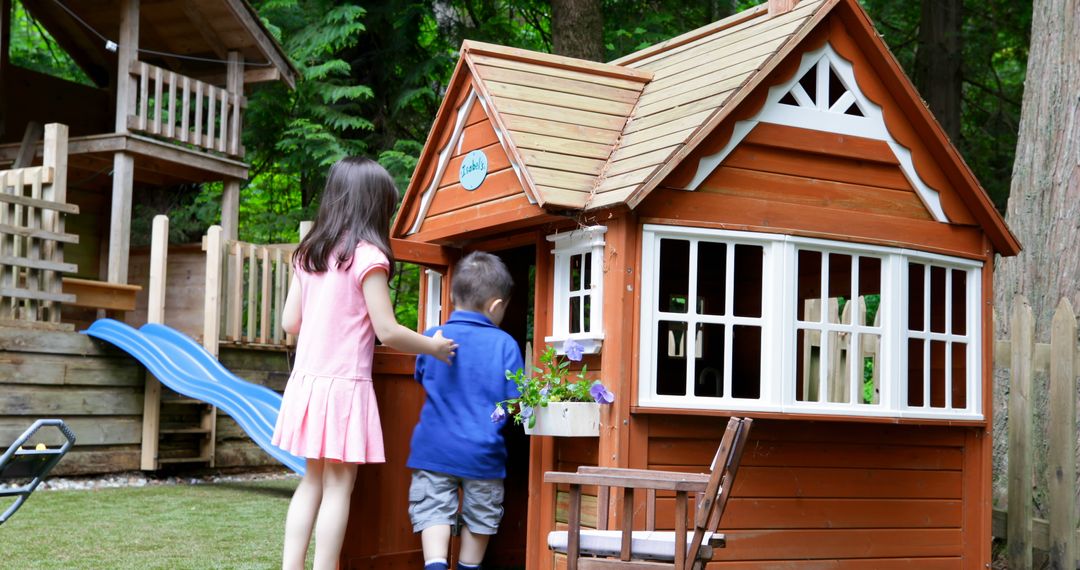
{"type": "Point", "coordinates": [176, 429]}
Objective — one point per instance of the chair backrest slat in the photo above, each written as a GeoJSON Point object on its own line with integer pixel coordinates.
{"type": "Point", "coordinates": [725, 465]}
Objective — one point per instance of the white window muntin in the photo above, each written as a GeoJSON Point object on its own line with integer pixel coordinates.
{"type": "Point", "coordinates": [779, 327]}
{"type": "Point", "coordinates": [588, 243]}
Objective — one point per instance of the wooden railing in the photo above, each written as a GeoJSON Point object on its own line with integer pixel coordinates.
{"type": "Point", "coordinates": [186, 110]}
{"type": "Point", "coordinates": [1059, 363]}
{"type": "Point", "coordinates": [33, 203]}
{"type": "Point", "coordinates": [251, 281]}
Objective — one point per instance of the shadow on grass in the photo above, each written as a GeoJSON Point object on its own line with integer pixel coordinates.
{"type": "Point", "coordinates": [249, 489]}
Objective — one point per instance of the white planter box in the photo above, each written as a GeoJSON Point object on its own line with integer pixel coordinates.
{"type": "Point", "coordinates": [567, 419]}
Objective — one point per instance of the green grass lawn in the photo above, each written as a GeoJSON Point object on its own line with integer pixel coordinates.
{"type": "Point", "coordinates": [175, 527]}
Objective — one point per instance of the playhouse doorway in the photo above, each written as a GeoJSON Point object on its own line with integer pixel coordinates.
{"type": "Point", "coordinates": [507, 548]}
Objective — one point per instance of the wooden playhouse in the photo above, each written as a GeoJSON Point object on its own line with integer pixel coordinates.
{"type": "Point", "coordinates": [770, 195]}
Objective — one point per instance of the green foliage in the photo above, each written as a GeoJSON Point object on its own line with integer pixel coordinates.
{"type": "Point", "coordinates": [552, 382]}
{"type": "Point", "coordinates": [405, 294]}
{"type": "Point", "coordinates": [32, 47]}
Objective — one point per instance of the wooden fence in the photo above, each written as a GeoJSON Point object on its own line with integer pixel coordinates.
{"type": "Point", "coordinates": [251, 282]}
{"type": "Point", "coordinates": [1059, 362]}
{"type": "Point", "coordinates": [186, 110]}
{"type": "Point", "coordinates": [33, 203]}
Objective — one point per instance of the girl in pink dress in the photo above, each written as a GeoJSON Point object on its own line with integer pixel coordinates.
{"type": "Point", "coordinates": [338, 302]}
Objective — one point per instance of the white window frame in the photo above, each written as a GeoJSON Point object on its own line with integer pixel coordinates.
{"type": "Point", "coordinates": [432, 299]}
{"type": "Point", "coordinates": [566, 246]}
{"type": "Point", "coordinates": [779, 281]}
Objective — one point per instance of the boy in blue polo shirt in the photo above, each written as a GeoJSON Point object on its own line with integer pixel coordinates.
{"type": "Point", "coordinates": [457, 442]}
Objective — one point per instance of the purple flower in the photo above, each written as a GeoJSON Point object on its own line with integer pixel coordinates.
{"type": "Point", "coordinates": [526, 412]}
{"type": "Point", "coordinates": [499, 414]}
{"type": "Point", "coordinates": [601, 394]}
{"type": "Point", "coordinates": [573, 350]}
{"type": "Point", "coordinates": [545, 390]}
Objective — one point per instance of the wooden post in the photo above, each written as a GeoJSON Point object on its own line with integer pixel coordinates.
{"type": "Point", "coordinates": [1021, 451]}
{"type": "Point", "coordinates": [120, 217]}
{"type": "Point", "coordinates": [1061, 422]}
{"type": "Point", "coordinates": [212, 306]}
{"type": "Point", "coordinates": [55, 156]}
{"type": "Point", "coordinates": [230, 209]}
{"type": "Point", "coordinates": [127, 52]}
{"type": "Point", "coordinates": [212, 327]}
{"type": "Point", "coordinates": [155, 313]}
{"type": "Point", "coordinates": [234, 84]}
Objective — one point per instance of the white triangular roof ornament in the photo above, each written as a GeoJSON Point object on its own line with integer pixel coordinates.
{"type": "Point", "coordinates": [824, 96]}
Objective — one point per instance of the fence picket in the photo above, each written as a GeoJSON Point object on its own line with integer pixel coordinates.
{"type": "Point", "coordinates": [1021, 452]}
{"type": "Point", "coordinates": [1061, 422]}
{"type": "Point", "coordinates": [253, 266]}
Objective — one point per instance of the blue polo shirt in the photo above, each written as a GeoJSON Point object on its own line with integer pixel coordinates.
{"type": "Point", "coordinates": [455, 434]}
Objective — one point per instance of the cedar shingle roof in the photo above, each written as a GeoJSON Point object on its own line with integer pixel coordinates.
{"type": "Point", "coordinates": [592, 135]}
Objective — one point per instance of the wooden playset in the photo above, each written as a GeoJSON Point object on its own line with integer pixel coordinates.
{"type": "Point", "coordinates": [758, 218]}
{"type": "Point", "coordinates": [165, 108]}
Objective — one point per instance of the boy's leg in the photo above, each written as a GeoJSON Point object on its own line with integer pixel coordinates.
{"type": "Point", "coordinates": [303, 508]}
{"type": "Point", "coordinates": [338, 480]}
{"type": "Point", "coordinates": [482, 511]}
{"type": "Point", "coordinates": [433, 505]}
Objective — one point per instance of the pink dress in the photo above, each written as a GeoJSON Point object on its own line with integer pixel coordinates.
{"type": "Point", "coordinates": [328, 410]}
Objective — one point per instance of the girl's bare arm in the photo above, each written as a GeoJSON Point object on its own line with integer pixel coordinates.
{"type": "Point", "coordinates": [377, 295]}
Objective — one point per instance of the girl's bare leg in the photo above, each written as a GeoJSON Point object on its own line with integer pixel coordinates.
{"type": "Point", "coordinates": [338, 480]}
{"type": "Point", "coordinates": [301, 518]}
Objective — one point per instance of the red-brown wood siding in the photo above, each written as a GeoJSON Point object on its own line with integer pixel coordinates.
{"type": "Point", "coordinates": [379, 534]}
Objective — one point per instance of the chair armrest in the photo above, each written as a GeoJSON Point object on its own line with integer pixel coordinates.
{"type": "Point", "coordinates": [688, 483]}
{"type": "Point", "coordinates": [649, 473]}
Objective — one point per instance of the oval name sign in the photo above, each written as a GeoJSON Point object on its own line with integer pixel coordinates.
{"type": "Point", "coordinates": [473, 170]}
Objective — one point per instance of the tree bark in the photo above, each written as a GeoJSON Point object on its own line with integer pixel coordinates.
{"type": "Point", "coordinates": [938, 74]}
{"type": "Point", "coordinates": [1044, 201]}
{"type": "Point", "coordinates": [577, 29]}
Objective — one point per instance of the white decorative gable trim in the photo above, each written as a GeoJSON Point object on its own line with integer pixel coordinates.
{"type": "Point", "coordinates": [452, 147]}
{"type": "Point", "coordinates": [809, 101]}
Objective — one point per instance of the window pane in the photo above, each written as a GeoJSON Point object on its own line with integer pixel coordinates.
{"type": "Point", "coordinates": [915, 372]}
{"type": "Point", "coordinates": [575, 314]}
{"type": "Point", "coordinates": [807, 365]}
{"type": "Point", "coordinates": [959, 375]}
{"type": "Point", "coordinates": [840, 287]}
{"type": "Point", "coordinates": [839, 370]}
{"type": "Point", "coordinates": [870, 288]}
{"type": "Point", "coordinates": [959, 301]}
{"type": "Point", "coordinates": [748, 280]}
{"type": "Point", "coordinates": [586, 316]}
{"type": "Point", "coordinates": [809, 296]}
{"type": "Point", "coordinates": [937, 374]}
{"type": "Point", "coordinates": [671, 358]}
{"type": "Point", "coordinates": [709, 364]}
{"type": "Point", "coordinates": [575, 272]}
{"type": "Point", "coordinates": [587, 270]}
{"type": "Point", "coordinates": [915, 297]}
{"type": "Point", "coordinates": [870, 356]}
{"type": "Point", "coordinates": [712, 277]}
{"type": "Point", "coordinates": [674, 285]}
{"type": "Point", "coordinates": [937, 299]}
{"type": "Point", "coordinates": [746, 362]}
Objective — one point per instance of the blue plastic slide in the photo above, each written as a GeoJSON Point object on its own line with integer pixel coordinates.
{"type": "Point", "coordinates": [187, 368]}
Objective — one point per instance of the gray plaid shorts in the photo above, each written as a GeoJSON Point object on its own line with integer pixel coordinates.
{"type": "Point", "coordinates": [433, 500]}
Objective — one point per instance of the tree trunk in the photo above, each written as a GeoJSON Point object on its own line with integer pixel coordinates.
{"type": "Point", "coordinates": [577, 29]}
{"type": "Point", "coordinates": [937, 62]}
{"type": "Point", "coordinates": [1044, 201]}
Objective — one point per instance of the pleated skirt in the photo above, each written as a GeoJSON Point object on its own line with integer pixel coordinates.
{"type": "Point", "coordinates": [324, 417]}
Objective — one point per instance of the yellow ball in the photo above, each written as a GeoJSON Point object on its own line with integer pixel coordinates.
{"type": "Point", "coordinates": [40, 447]}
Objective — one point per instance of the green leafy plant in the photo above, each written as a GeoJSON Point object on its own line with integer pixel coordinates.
{"type": "Point", "coordinates": [553, 381]}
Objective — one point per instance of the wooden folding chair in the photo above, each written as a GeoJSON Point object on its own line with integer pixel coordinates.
{"type": "Point", "coordinates": [681, 549]}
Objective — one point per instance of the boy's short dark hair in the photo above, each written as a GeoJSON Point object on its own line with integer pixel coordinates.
{"type": "Point", "coordinates": [478, 278]}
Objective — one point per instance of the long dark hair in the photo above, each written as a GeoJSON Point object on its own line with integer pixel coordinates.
{"type": "Point", "coordinates": [357, 204]}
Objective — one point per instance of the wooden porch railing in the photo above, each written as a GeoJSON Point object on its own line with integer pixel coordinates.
{"type": "Point", "coordinates": [33, 203]}
{"type": "Point", "coordinates": [186, 110]}
{"type": "Point", "coordinates": [252, 281]}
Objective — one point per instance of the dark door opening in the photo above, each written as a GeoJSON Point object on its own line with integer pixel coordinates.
{"type": "Point", "coordinates": [507, 548]}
